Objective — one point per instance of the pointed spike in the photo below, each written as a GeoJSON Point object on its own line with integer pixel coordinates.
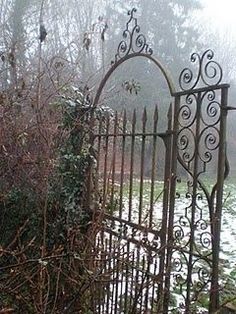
{"type": "Point", "coordinates": [169, 114]}
{"type": "Point", "coordinates": [145, 112]}
{"type": "Point", "coordinates": [107, 122]}
{"type": "Point", "coordinates": [155, 117]}
{"type": "Point", "coordinates": [134, 116]}
{"type": "Point", "coordinates": [124, 121]}
{"type": "Point", "coordinates": [124, 115]}
{"type": "Point", "coordinates": [144, 115]}
{"type": "Point", "coordinates": [134, 121]}
{"type": "Point", "coordinates": [116, 117]}
{"type": "Point", "coordinates": [116, 122]}
{"type": "Point", "coordinates": [100, 122]}
{"type": "Point", "coordinates": [144, 119]}
{"type": "Point", "coordinates": [99, 115]}
{"type": "Point", "coordinates": [107, 117]}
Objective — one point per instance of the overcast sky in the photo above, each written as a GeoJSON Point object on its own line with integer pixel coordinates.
{"type": "Point", "coordinates": [221, 14]}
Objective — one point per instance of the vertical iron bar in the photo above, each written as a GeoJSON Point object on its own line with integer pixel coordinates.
{"type": "Point", "coordinates": [105, 277]}
{"type": "Point", "coordinates": [110, 292]}
{"type": "Point", "coordinates": [101, 283]}
{"type": "Point", "coordinates": [94, 290]}
{"type": "Point", "coordinates": [214, 293]}
{"type": "Point", "coordinates": [130, 203]}
{"type": "Point", "coordinates": [99, 146]}
{"type": "Point", "coordinates": [167, 139]}
{"type": "Point", "coordinates": [132, 165]}
{"type": "Point", "coordinates": [122, 279]}
{"type": "Point", "coordinates": [109, 286]}
{"type": "Point", "coordinates": [114, 144]}
{"type": "Point", "coordinates": [122, 164]}
{"type": "Point", "coordinates": [90, 116]}
{"type": "Point", "coordinates": [113, 300]}
{"type": "Point", "coordinates": [193, 205]}
{"type": "Point", "coordinates": [146, 300]}
{"type": "Point", "coordinates": [144, 119]}
{"type": "Point", "coordinates": [142, 284]}
{"type": "Point", "coordinates": [136, 281]}
{"type": "Point", "coordinates": [105, 161]}
{"type": "Point", "coordinates": [173, 167]}
{"type": "Point", "coordinates": [131, 297]}
{"type": "Point", "coordinates": [154, 291]}
{"type": "Point", "coordinates": [154, 149]}
{"type": "Point", "coordinates": [118, 262]}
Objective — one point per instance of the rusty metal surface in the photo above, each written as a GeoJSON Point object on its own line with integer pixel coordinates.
{"type": "Point", "coordinates": [131, 232]}
{"type": "Point", "coordinates": [161, 228]}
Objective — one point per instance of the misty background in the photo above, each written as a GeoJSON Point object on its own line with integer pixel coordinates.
{"type": "Point", "coordinates": [61, 42]}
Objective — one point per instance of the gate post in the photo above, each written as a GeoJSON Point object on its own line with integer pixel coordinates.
{"type": "Point", "coordinates": [214, 293]}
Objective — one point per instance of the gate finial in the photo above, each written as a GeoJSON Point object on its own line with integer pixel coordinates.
{"type": "Point", "coordinates": [134, 41]}
{"type": "Point", "coordinates": [209, 71]}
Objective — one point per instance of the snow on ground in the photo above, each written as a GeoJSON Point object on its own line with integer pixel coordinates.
{"type": "Point", "coordinates": [228, 231]}
{"type": "Point", "coordinates": [182, 214]}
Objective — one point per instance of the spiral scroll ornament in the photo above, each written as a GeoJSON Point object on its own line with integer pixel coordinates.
{"type": "Point", "coordinates": [133, 41]}
{"type": "Point", "coordinates": [209, 72]}
{"type": "Point", "coordinates": [210, 109]}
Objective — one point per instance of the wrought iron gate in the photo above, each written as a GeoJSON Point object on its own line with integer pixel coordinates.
{"type": "Point", "coordinates": [158, 250]}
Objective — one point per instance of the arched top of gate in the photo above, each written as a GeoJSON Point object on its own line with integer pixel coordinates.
{"type": "Point", "coordinates": [134, 44]}
{"type": "Point", "coordinates": [205, 74]}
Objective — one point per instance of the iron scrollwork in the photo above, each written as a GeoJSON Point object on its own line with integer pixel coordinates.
{"type": "Point", "coordinates": [198, 140]}
{"type": "Point", "coordinates": [204, 144]}
{"type": "Point", "coordinates": [209, 71]}
{"type": "Point", "coordinates": [133, 41]}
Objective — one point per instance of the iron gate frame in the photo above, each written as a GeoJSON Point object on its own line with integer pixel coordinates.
{"type": "Point", "coordinates": [134, 45]}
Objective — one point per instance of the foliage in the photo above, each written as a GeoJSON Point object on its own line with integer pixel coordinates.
{"type": "Point", "coordinates": [228, 284]}
{"type": "Point", "coordinates": [48, 237]}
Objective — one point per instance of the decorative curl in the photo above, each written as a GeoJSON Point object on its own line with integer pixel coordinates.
{"type": "Point", "coordinates": [204, 275]}
{"type": "Point", "coordinates": [178, 234]}
{"type": "Point", "coordinates": [202, 224]}
{"type": "Point", "coordinates": [211, 95]}
{"type": "Point", "coordinates": [211, 141]}
{"type": "Point", "coordinates": [133, 41]}
{"type": "Point", "coordinates": [186, 145]}
{"type": "Point", "coordinates": [209, 71]}
{"type": "Point", "coordinates": [206, 240]}
{"type": "Point", "coordinates": [183, 142]}
{"type": "Point", "coordinates": [208, 143]}
{"type": "Point", "coordinates": [210, 110]}
{"type": "Point", "coordinates": [177, 264]}
{"type": "Point", "coordinates": [186, 77]}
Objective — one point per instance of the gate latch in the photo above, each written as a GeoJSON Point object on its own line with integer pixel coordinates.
{"type": "Point", "coordinates": [229, 108]}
